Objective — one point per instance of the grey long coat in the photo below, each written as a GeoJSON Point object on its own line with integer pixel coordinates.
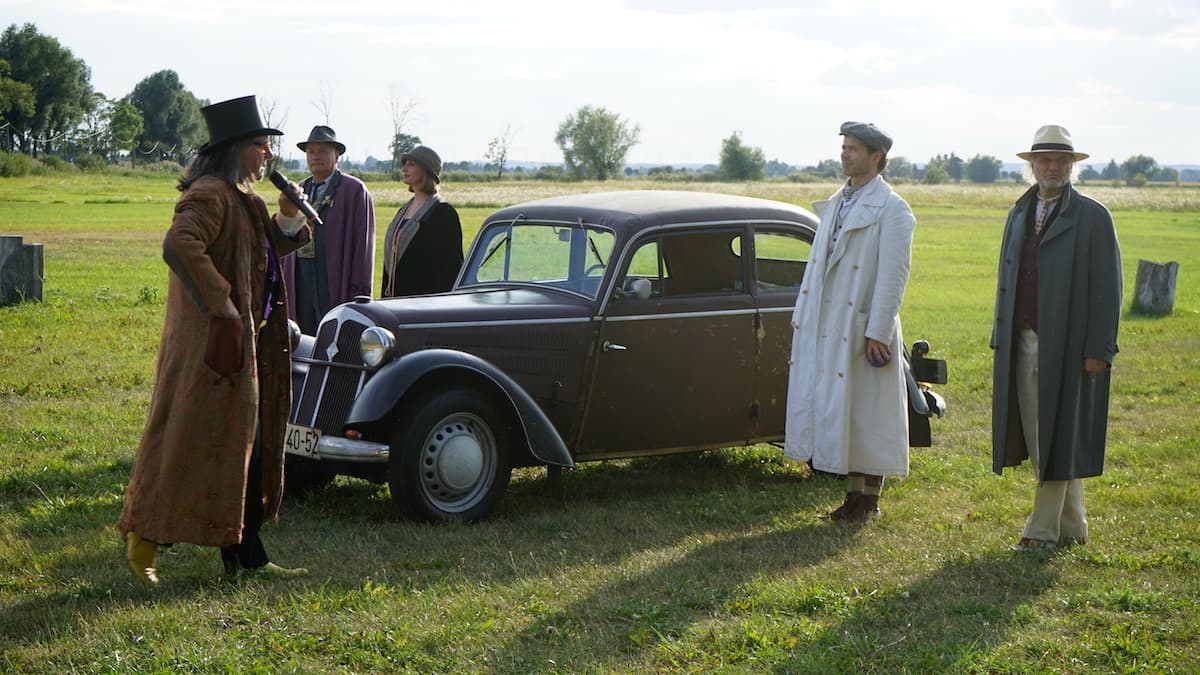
{"type": "Point", "coordinates": [1079, 307]}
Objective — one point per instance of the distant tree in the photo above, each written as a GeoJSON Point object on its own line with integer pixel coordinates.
{"type": "Point", "coordinates": [401, 144]}
{"type": "Point", "coordinates": [549, 172]}
{"type": "Point", "coordinates": [740, 161]}
{"type": "Point", "coordinates": [594, 142]}
{"type": "Point", "coordinates": [1138, 164]}
{"type": "Point", "coordinates": [173, 126]}
{"type": "Point", "coordinates": [274, 118]}
{"type": "Point", "coordinates": [1112, 171]}
{"type": "Point", "coordinates": [777, 168]}
{"type": "Point", "coordinates": [983, 169]}
{"type": "Point", "coordinates": [1089, 173]}
{"type": "Point", "coordinates": [59, 82]}
{"type": "Point", "coordinates": [900, 168]}
{"type": "Point", "coordinates": [828, 168]}
{"type": "Point", "coordinates": [498, 149]}
{"type": "Point", "coordinates": [324, 102]}
{"type": "Point", "coordinates": [935, 174]}
{"type": "Point", "coordinates": [125, 125]}
{"type": "Point", "coordinates": [91, 137]}
{"type": "Point", "coordinates": [956, 167]}
{"type": "Point", "coordinates": [938, 163]}
{"type": "Point", "coordinates": [16, 99]}
{"type": "Point", "coordinates": [401, 111]}
{"type": "Point", "coordinates": [1166, 174]}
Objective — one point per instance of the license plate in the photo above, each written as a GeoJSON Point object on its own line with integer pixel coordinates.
{"type": "Point", "coordinates": [301, 440]}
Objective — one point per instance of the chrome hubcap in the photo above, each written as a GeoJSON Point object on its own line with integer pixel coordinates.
{"type": "Point", "coordinates": [457, 461]}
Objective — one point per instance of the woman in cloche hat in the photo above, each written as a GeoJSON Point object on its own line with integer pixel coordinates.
{"type": "Point", "coordinates": [422, 250]}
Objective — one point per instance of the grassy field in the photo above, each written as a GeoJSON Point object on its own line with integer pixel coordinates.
{"type": "Point", "coordinates": [713, 562]}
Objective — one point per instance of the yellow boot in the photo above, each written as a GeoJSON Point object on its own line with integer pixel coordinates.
{"type": "Point", "coordinates": [140, 555]}
{"type": "Point", "coordinates": [271, 569]}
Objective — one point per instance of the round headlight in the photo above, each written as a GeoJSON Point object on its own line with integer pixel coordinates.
{"type": "Point", "coordinates": [376, 346]}
{"type": "Point", "coordinates": [294, 334]}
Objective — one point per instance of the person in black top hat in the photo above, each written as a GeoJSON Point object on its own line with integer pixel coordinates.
{"type": "Point", "coordinates": [339, 263]}
{"type": "Point", "coordinates": [209, 467]}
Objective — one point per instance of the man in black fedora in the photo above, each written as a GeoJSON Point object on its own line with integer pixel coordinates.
{"type": "Point", "coordinates": [339, 262]}
{"type": "Point", "coordinates": [209, 468]}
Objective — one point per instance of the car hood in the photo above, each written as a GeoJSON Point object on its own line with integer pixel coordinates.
{"type": "Point", "coordinates": [472, 305]}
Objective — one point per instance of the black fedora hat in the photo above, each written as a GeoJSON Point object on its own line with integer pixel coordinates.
{"type": "Point", "coordinates": [233, 120]}
{"type": "Point", "coordinates": [323, 134]}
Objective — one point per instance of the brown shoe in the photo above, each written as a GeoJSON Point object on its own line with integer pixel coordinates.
{"type": "Point", "coordinates": [848, 508]}
{"type": "Point", "coordinates": [1025, 545]}
{"type": "Point", "coordinates": [868, 508]}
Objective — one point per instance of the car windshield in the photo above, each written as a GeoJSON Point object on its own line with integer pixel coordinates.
{"type": "Point", "coordinates": [571, 257]}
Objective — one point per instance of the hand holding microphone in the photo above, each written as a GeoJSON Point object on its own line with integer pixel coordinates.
{"type": "Point", "coordinates": [295, 196]}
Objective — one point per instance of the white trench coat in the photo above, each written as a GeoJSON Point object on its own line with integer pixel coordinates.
{"type": "Point", "coordinates": [842, 413]}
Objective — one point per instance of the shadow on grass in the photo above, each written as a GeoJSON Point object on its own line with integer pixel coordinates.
{"type": "Point", "coordinates": [603, 482]}
{"type": "Point", "coordinates": [350, 534]}
{"type": "Point", "coordinates": [641, 614]}
{"type": "Point", "coordinates": [948, 620]}
{"type": "Point", "coordinates": [940, 623]}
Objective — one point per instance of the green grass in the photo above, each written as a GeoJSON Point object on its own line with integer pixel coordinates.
{"type": "Point", "coordinates": [702, 563]}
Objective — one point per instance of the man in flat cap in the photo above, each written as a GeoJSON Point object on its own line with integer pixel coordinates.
{"type": "Point", "coordinates": [847, 409]}
{"type": "Point", "coordinates": [1058, 303]}
{"type": "Point", "coordinates": [339, 262]}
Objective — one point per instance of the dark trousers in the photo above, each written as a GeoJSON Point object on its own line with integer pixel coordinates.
{"type": "Point", "coordinates": [250, 553]}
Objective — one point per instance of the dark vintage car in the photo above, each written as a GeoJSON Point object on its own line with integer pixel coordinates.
{"type": "Point", "coordinates": [587, 327]}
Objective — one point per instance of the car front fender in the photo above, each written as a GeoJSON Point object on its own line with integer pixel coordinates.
{"type": "Point", "coordinates": [380, 395]}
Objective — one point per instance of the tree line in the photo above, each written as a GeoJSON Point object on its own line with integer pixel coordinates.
{"type": "Point", "coordinates": [49, 110]}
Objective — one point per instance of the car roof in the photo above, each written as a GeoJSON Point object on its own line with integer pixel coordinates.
{"type": "Point", "coordinates": [638, 209]}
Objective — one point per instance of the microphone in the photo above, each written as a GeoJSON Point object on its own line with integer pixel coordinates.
{"type": "Point", "coordinates": [285, 187]}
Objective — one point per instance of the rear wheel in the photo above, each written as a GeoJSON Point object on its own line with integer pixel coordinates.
{"type": "Point", "coordinates": [451, 460]}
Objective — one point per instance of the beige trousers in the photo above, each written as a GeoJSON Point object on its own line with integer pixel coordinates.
{"type": "Point", "coordinates": [1058, 513]}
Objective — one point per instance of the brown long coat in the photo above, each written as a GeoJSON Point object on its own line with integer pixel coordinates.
{"type": "Point", "coordinates": [189, 476]}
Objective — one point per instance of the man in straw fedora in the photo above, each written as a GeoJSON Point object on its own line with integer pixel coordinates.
{"type": "Point", "coordinates": [209, 468]}
{"type": "Point", "coordinates": [1058, 303]}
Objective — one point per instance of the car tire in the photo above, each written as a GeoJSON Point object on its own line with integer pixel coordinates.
{"type": "Point", "coordinates": [303, 476]}
{"type": "Point", "coordinates": [451, 459]}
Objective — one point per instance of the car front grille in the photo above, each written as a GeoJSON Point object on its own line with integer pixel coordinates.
{"type": "Point", "coordinates": [334, 380]}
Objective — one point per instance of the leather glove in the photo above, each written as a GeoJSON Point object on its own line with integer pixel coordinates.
{"type": "Point", "coordinates": [224, 353]}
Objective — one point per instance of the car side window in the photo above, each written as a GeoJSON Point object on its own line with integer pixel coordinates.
{"type": "Point", "coordinates": [689, 263]}
{"type": "Point", "coordinates": [779, 260]}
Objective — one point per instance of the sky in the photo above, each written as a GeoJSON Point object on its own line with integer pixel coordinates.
{"type": "Point", "coordinates": [941, 76]}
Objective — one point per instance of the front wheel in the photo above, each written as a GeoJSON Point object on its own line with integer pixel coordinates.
{"type": "Point", "coordinates": [451, 460]}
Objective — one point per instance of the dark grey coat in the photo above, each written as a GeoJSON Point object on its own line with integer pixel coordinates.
{"type": "Point", "coordinates": [1079, 307]}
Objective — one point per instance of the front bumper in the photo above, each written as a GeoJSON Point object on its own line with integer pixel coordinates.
{"type": "Point", "coordinates": [347, 450]}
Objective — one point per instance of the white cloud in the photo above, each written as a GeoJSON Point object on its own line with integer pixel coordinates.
{"type": "Point", "coordinates": [943, 75]}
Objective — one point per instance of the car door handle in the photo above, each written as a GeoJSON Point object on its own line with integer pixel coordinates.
{"type": "Point", "coordinates": [610, 347]}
